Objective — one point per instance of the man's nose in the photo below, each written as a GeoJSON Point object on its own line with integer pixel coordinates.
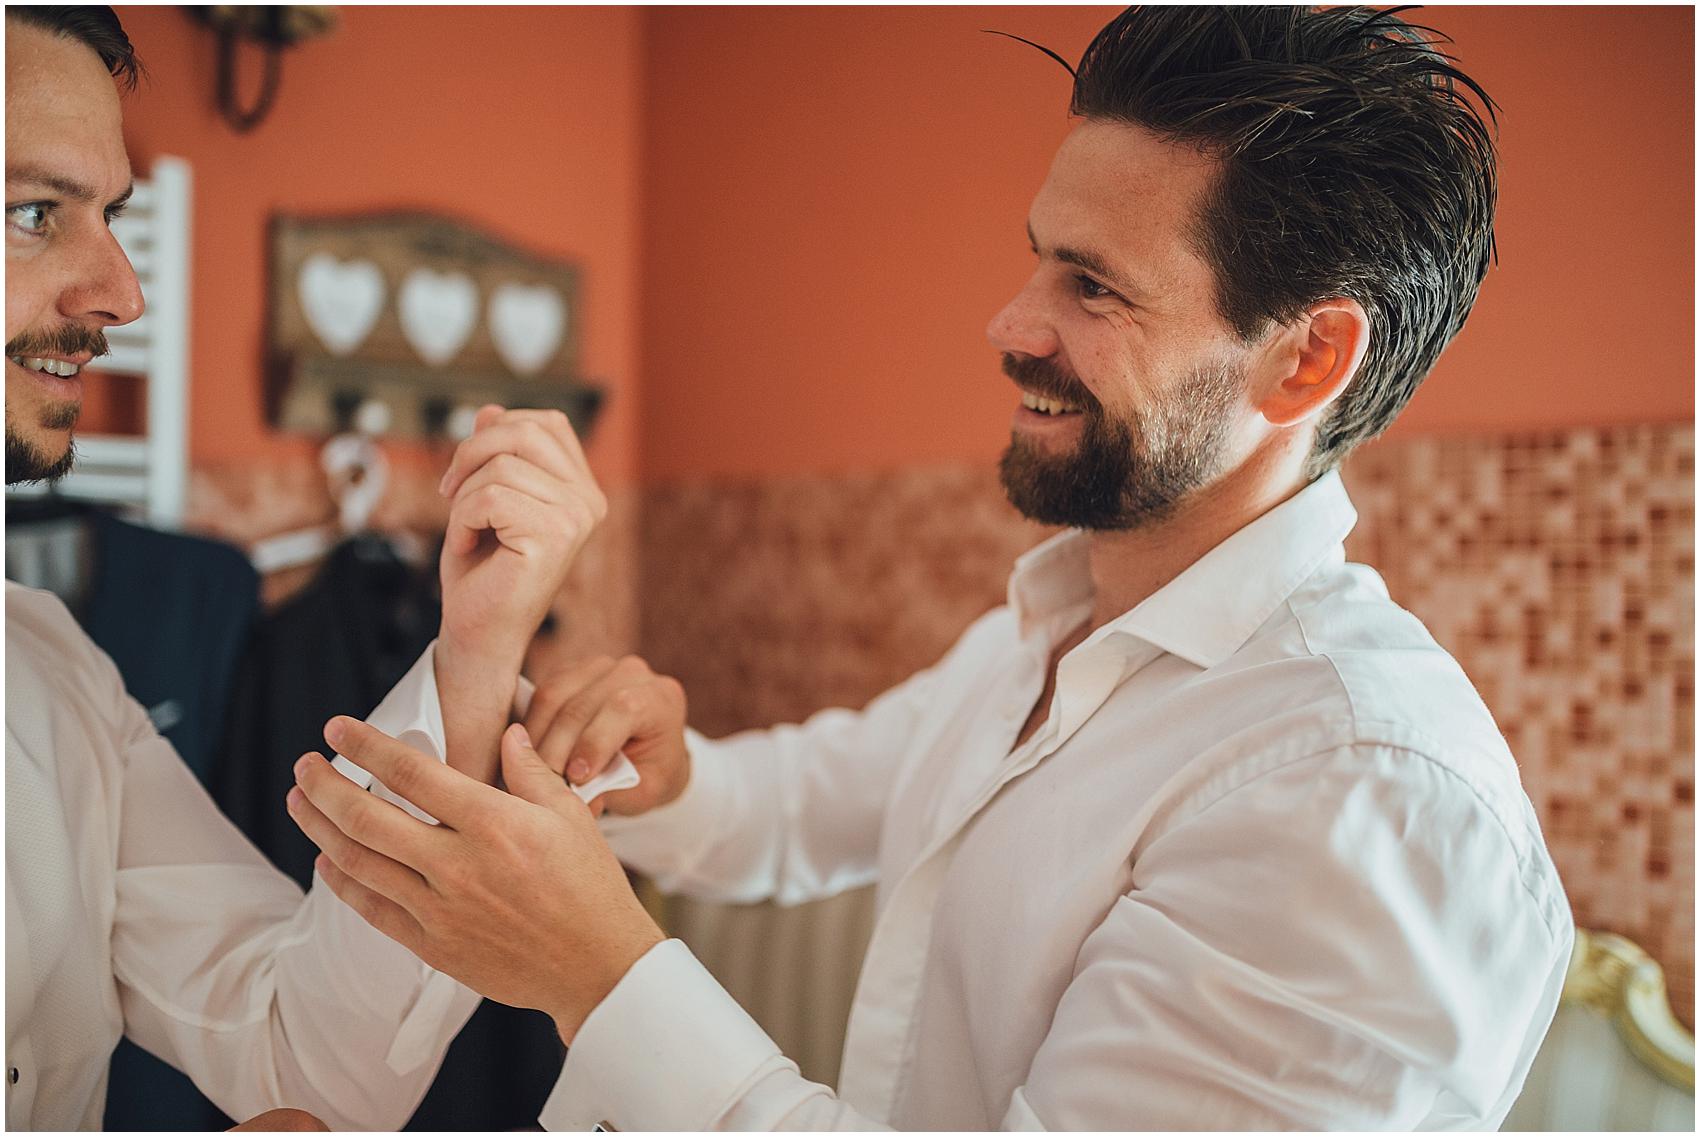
{"type": "Point", "coordinates": [105, 288]}
{"type": "Point", "coordinates": [1022, 327]}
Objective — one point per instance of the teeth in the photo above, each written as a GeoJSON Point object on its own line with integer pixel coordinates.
{"type": "Point", "coordinates": [51, 366]}
{"type": "Point", "coordinates": [1046, 406]}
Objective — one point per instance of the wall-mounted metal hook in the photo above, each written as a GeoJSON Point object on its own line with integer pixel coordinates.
{"type": "Point", "coordinates": [274, 27]}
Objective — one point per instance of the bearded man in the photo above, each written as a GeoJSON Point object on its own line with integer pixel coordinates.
{"type": "Point", "coordinates": [1200, 831]}
{"type": "Point", "coordinates": [133, 907]}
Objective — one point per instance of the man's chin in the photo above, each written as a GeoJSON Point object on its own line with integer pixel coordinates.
{"type": "Point", "coordinates": [1047, 488]}
{"type": "Point", "coordinates": [1097, 486]}
{"type": "Point", "coordinates": [45, 460]}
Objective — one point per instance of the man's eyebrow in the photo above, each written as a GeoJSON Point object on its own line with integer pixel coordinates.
{"type": "Point", "coordinates": [65, 187]}
{"type": "Point", "coordinates": [1088, 260]}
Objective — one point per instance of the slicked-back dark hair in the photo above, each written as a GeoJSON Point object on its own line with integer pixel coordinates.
{"type": "Point", "coordinates": [95, 26]}
{"type": "Point", "coordinates": [1354, 165]}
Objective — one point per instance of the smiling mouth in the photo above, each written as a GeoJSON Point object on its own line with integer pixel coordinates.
{"type": "Point", "coordinates": [1047, 406]}
{"type": "Point", "coordinates": [63, 368]}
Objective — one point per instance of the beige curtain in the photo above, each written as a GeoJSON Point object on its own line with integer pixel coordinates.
{"type": "Point", "coordinates": [1585, 1080]}
{"type": "Point", "coordinates": [793, 969]}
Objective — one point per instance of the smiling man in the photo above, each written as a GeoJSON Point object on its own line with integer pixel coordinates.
{"type": "Point", "coordinates": [132, 907]}
{"type": "Point", "coordinates": [1200, 830]}
{"type": "Point", "coordinates": [67, 177]}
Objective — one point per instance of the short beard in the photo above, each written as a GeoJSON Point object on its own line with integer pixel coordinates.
{"type": "Point", "coordinates": [25, 461]}
{"type": "Point", "coordinates": [1117, 479]}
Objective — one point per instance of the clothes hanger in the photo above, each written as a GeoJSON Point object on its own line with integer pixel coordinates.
{"type": "Point", "coordinates": [357, 473]}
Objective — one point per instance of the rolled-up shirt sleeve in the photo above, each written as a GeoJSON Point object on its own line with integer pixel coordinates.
{"type": "Point", "coordinates": [262, 996]}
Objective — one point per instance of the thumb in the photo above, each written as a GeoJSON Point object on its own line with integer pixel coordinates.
{"type": "Point", "coordinates": [526, 774]}
{"type": "Point", "coordinates": [487, 414]}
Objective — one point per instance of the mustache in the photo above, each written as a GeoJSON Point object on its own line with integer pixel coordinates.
{"type": "Point", "coordinates": [1044, 377]}
{"type": "Point", "coordinates": [66, 339]}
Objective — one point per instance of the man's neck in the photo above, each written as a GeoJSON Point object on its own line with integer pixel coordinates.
{"type": "Point", "coordinates": [1129, 566]}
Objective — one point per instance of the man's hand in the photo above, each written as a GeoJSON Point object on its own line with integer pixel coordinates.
{"type": "Point", "coordinates": [515, 894]}
{"type": "Point", "coordinates": [281, 1121]}
{"type": "Point", "coordinates": [524, 502]}
{"type": "Point", "coordinates": [583, 715]}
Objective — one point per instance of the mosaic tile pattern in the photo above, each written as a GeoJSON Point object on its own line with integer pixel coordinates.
{"type": "Point", "coordinates": [1558, 569]}
{"type": "Point", "coordinates": [772, 600]}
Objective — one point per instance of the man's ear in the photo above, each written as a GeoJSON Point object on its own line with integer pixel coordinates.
{"type": "Point", "coordinates": [1321, 353]}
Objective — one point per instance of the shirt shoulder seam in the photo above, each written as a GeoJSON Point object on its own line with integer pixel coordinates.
{"type": "Point", "coordinates": [1252, 774]}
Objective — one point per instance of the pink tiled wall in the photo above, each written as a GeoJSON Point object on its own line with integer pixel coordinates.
{"type": "Point", "coordinates": [771, 600]}
{"type": "Point", "coordinates": [1559, 569]}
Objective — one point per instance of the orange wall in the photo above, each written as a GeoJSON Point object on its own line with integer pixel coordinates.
{"type": "Point", "coordinates": [523, 121]}
{"type": "Point", "coordinates": [794, 223]}
{"type": "Point", "coordinates": [836, 199]}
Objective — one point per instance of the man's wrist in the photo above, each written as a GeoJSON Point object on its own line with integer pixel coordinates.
{"type": "Point", "coordinates": [619, 961]}
{"type": "Point", "coordinates": [462, 659]}
{"type": "Point", "coordinates": [476, 689]}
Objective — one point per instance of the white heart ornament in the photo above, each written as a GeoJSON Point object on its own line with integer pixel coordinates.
{"type": "Point", "coordinates": [437, 311]}
{"type": "Point", "coordinates": [341, 300]}
{"type": "Point", "coordinates": [526, 324]}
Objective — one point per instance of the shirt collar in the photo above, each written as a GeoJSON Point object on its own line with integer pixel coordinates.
{"type": "Point", "coordinates": [1049, 578]}
{"type": "Point", "coordinates": [1209, 611]}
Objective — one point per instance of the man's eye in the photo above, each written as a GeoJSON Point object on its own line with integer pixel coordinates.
{"type": "Point", "coordinates": [1090, 289]}
{"type": "Point", "coordinates": [30, 217]}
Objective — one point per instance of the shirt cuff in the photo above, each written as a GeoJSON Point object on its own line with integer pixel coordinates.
{"type": "Point", "coordinates": [412, 713]}
{"type": "Point", "coordinates": [667, 1050]}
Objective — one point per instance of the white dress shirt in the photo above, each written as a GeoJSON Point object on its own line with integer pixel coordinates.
{"type": "Point", "coordinates": [1266, 864]}
{"type": "Point", "coordinates": [133, 907]}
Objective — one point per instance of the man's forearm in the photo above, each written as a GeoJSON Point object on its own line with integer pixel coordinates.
{"type": "Point", "coordinates": [476, 689]}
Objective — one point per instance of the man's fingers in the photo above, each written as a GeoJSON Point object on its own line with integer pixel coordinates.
{"type": "Point", "coordinates": [560, 686]}
{"type": "Point", "coordinates": [362, 818]}
{"type": "Point", "coordinates": [521, 523]}
{"type": "Point", "coordinates": [516, 473]}
{"type": "Point", "coordinates": [444, 793]}
{"type": "Point", "coordinates": [560, 427]}
{"type": "Point", "coordinates": [492, 508]}
{"type": "Point", "coordinates": [528, 440]}
{"type": "Point", "coordinates": [524, 772]}
{"type": "Point", "coordinates": [523, 434]}
{"type": "Point", "coordinates": [562, 705]}
{"type": "Point", "coordinates": [391, 878]}
{"type": "Point", "coordinates": [382, 913]}
{"type": "Point", "coordinates": [626, 714]}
